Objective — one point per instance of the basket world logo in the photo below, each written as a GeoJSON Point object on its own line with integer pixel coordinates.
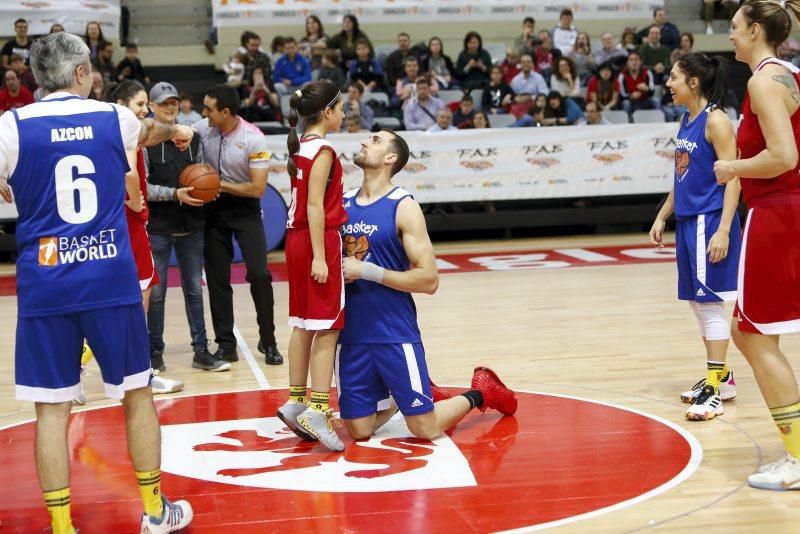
{"type": "Point", "coordinates": [54, 251]}
{"type": "Point", "coordinates": [48, 251]}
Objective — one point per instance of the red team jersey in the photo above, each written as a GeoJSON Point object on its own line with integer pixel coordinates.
{"type": "Point", "coordinates": [315, 306]}
{"type": "Point", "coordinates": [335, 215]}
{"type": "Point", "coordinates": [768, 299]}
{"type": "Point", "coordinates": [137, 230]}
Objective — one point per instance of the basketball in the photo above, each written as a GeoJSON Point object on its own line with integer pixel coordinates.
{"type": "Point", "coordinates": [203, 178]}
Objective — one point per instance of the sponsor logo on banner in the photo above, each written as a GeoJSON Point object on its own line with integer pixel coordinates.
{"type": "Point", "coordinates": [426, 187]}
{"type": "Point", "coordinates": [666, 154]}
{"type": "Point", "coordinates": [543, 162]}
{"type": "Point", "coordinates": [415, 167]}
{"type": "Point", "coordinates": [488, 184]}
{"type": "Point", "coordinates": [480, 165]}
{"type": "Point", "coordinates": [622, 178]}
{"type": "Point", "coordinates": [35, 5]}
{"type": "Point", "coordinates": [607, 158]}
{"type": "Point", "coordinates": [557, 181]}
{"type": "Point", "coordinates": [95, 5]}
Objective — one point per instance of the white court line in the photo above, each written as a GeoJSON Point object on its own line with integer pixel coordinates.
{"type": "Point", "coordinates": [251, 360]}
{"type": "Point", "coordinates": [248, 354]}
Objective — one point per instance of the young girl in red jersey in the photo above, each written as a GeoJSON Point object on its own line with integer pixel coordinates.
{"type": "Point", "coordinates": [768, 301]}
{"type": "Point", "coordinates": [314, 261]}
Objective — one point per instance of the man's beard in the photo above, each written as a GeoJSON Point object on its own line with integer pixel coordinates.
{"type": "Point", "coordinates": [361, 161]}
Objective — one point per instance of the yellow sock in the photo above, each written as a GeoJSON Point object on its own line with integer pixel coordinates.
{"type": "Point", "coordinates": [788, 421]}
{"type": "Point", "coordinates": [86, 355]}
{"type": "Point", "coordinates": [724, 370]}
{"type": "Point", "coordinates": [319, 401]}
{"type": "Point", "coordinates": [58, 505]}
{"type": "Point", "coordinates": [297, 394]}
{"type": "Point", "coordinates": [150, 490]}
{"type": "Point", "coordinates": [714, 373]}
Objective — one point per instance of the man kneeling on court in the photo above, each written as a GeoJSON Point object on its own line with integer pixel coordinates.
{"type": "Point", "coordinates": [380, 349]}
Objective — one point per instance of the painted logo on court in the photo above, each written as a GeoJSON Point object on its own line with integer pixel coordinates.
{"type": "Point", "coordinates": [263, 453]}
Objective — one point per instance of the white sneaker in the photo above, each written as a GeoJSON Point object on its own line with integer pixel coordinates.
{"type": "Point", "coordinates": [780, 476]}
{"type": "Point", "coordinates": [318, 425]}
{"type": "Point", "coordinates": [160, 384]}
{"type": "Point", "coordinates": [81, 400]}
{"type": "Point", "coordinates": [289, 412]}
{"type": "Point", "coordinates": [727, 389]}
{"type": "Point", "coordinates": [706, 406]}
{"type": "Point", "coordinates": [176, 516]}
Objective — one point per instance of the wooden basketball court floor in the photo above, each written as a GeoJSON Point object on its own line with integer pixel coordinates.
{"type": "Point", "coordinates": [612, 333]}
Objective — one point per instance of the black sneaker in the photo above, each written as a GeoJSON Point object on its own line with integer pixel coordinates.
{"type": "Point", "coordinates": [271, 355]}
{"type": "Point", "coordinates": [157, 360]}
{"type": "Point", "coordinates": [226, 355]}
{"type": "Point", "coordinates": [206, 361]}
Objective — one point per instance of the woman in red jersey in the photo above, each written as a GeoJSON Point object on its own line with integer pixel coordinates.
{"type": "Point", "coordinates": [313, 258]}
{"type": "Point", "coordinates": [768, 301]}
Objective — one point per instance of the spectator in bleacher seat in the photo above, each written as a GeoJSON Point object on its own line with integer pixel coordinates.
{"type": "Point", "coordinates": [545, 55]}
{"type": "Point", "coordinates": [93, 37]}
{"type": "Point", "coordinates": [655, 56]}
{"type": "Point", "coordinates": [17, 64]}
{"type": "Point", "coordinates": [473, 64]}
{"type": "Point", "coordinates": [104, 63]}
{"type": "Point", "coordinates": [444, 122]}
{"type": "Point", "coordinates": [593, 116]}
{"type": "Point", "coordinates": [498, 95]}
{"type": "Point", "coordinates": [790, 51]}
{"type": "Point", "coordinates": [56, 28]}
{"type": "Point", "coordinates": [405, 87]}
{"type": "Point", "coordinates": [534, 114]}
{"type": "Point", "coordinates": [235, 67]}
{"type": "Point", "coordinates": [668, 32]}
{"type": "Point", "coordinates": [581, 56]}
{"type": "Point", "coordinates": [261, 102]}
{"type": "Point", "coordinates": [481, 120]}
{"type": "Point", "coordinates": [365, 68]}
{"type": "Point", "coordinates": [420, 111]}
{"type": "Point", "coordinates": [354, 105]}
{"type": "Point", "coordinates": [314, 42]}
{"type": "Point", "coordinates": [608, 51]}
{"type": "Point", "coordinates": [439, 65]}
{"type": "Point", "coordinates": [256, 57]}
{"type": "Point", "coordinates": [565, 79]}
{"type": "Point", "coordinates": [636, 86]}
{"type": "Point", "coordinates": [130, 68]}
{"type": "Point", "coordinates": [329, 69]}
{"type": "Point", "coordinates": [352, 123]}
{"type": "Point", "coordinates": [186, 113]}
{"type": "Point", "coordinates": [19, 44]}
{"type": "Point", "coordinates": [13, 94]}
{"type": "Point", "coordinates": [686, 47]}
{"type": "Point", "coordinates": [345, 41]}
{"type": "Point", "coordinates": [463, 115]}
{"type": "Point", "coordinates": [523, 44]}
{"type": "Point", "coordinates": [565, 33]}
{"type": "Point", "coordinates": [510, 65]}
{"type": "Point", "coordinates": [627, 40]}
{"type": "Point", "coordinates": [528, 82]}
{"type": "Point", "coordinates": [276, 48]}
{"type": "Point", "coordinates": [727, 9]}
{"type": "Point", "coordinates": [560, 111]}
{"type": "Point", "coordinates": [395, 62]}
{"type": "Point", "coordinates": [292, 71]}
{"type": "Point", "coordinates": [98, 86]}
{"type": "Point", "coordinates": [603, 88]}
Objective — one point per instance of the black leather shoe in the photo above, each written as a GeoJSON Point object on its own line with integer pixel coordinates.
{"type": "Point", "coordinates": [226, 355]}
{"type": "Point", "coordinates": [157, 360]}
{"type": "Point", "coordinates": [271, 354]}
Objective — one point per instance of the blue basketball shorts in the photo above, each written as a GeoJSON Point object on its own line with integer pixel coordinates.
{"type": "Point", "coordinates": [699, 279]}
{"type": "Point", "coordinates": [48, 352]}
{"type": "Point", "coordinates": [366, 374]}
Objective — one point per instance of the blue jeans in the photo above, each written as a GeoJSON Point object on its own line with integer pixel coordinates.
{"type": "Point", "coordinates": [189, 252]}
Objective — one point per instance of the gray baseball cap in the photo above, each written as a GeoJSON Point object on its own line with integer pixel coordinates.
{"type": "Point", "coordinates": [162, 91]}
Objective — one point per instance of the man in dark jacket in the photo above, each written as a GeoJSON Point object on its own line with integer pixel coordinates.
{"type": "Point", "coordinates": [176, 221]}
{"type": "Point", "coordinates": [395, 61]}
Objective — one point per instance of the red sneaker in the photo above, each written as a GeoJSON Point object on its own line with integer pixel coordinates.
{"type": "Point", "coordinates": [438, 393]}
{"type": "Point", "coordinates": [495, 394]}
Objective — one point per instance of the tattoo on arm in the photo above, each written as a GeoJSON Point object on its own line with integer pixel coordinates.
{"type": "Point", "coordinates": [790, 83]}
{"type": "Point", "coordinates": [154, 132]}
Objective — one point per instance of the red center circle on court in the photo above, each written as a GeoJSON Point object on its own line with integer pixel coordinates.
{"type": "Point", "coordinates": [558, 458]}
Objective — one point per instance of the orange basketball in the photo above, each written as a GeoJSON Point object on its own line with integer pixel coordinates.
{"type": "Point", "coordinates": [203, 178]}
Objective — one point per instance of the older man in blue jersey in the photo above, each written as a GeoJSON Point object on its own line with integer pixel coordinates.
{"type": "Point", "coordinates": [381, 350]}
{"type": "Point", "coordinates": [69, 160]}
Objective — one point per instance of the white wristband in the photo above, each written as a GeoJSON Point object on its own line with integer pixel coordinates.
{"type": "Point", "coordinates": [372, 272]}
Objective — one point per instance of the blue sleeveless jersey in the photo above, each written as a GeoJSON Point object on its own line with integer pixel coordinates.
{"type": "Point", "coordinates": [376, 313]}
{"type": "Point", "coordinates": [69, 188]}
{"type": "Point", "coordinates": [696, 188]}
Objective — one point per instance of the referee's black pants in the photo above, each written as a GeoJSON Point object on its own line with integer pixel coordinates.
{"type": "Point", "coordinates": [228, 217]}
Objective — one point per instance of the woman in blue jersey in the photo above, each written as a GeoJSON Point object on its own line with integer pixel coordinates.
{"type": "Point", "coordinates": [707, 228]}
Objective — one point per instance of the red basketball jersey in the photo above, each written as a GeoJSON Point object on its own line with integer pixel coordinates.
{"type": "Point", "coordinates": [335, 215]}
{"type": "Point", "coordinates": [143, 215]}
{"type": "Point", "coordinates": [750, 142]}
